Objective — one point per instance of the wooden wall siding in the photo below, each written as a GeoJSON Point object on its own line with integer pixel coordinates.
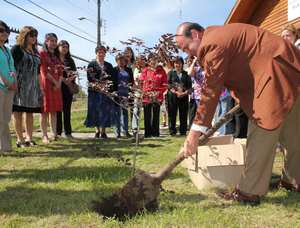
{"type": "Point", "coordinates": [272, 15]}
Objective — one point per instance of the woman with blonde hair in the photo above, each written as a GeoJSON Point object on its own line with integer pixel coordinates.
{"type": "Point", "coordinates": [291, 34]}
{"type": "Point", "coordinates": [28, 96]}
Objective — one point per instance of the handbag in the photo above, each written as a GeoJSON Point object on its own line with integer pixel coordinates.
{"type": "Point", "coordinates": [73, 88]}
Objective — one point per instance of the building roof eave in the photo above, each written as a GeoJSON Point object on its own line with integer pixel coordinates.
{"type": "Point", "coordinates": [242, 11]}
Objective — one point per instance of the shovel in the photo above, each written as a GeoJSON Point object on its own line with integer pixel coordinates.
{"type": "Point", "coordinates": [142, 190]}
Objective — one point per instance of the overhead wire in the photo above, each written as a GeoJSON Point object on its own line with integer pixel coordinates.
{"type": "Point", "coordinates": [86, 10]}
{"type": "Point", "coordinates": [60, 18]}
{"type": "Point", "coordinates": [49, 22]}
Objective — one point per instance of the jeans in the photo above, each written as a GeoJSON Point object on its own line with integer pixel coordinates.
{"type": "Point", "coordinates": [224, 106]}
{"type": "Point", "coordinates": [122, 121]}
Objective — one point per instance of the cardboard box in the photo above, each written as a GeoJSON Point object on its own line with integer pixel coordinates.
{"type": "Point", "coordinates": [220, 163]}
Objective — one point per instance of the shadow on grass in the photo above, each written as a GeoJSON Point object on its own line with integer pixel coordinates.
{"type": "Point", "coordinates": [87, 153]}
{"type": "Point", "coordinates": [183, 197]}
{"type": "Point", "coordinates": [176, 175]}
{"type": "Point", "coordinates": [291, 200]}
{"type": "Point", "coordinates": [45, 201]}
{"type": "Point", "coordinates": [90, 149]}
{"type": "Point", "coordinates": [107, 174]}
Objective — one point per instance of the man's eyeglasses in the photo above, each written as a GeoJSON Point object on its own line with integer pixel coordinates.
{"type": "Point", "coordinates": [176, 35]}
{"type": "Point", "coordinates": [2, 30]}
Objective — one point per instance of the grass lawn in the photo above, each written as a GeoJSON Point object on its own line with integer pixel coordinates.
{"type": "Point", "coordinates": [53, 186]}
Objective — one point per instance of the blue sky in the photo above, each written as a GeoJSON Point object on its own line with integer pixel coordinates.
{"type": "Point", "coordinates": [124, 19]}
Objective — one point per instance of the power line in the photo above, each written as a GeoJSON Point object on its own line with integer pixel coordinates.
{"type": "Point", "coordinates": [88, 11]}
{"type": "Point", "coordinates": [53, 14]}
{"type": "Point", "coordinates": [17, 31]}
{"type": "Point", "coordinates": [49, 22]}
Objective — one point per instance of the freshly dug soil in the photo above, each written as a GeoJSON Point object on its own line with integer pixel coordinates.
{"type": "Point", "coordinates": [139, 194]}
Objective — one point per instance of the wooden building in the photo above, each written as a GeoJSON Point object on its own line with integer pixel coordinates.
{"type": "Point", "coordinates": [272, 15]}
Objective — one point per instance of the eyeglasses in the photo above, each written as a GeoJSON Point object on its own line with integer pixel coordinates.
{"type": "Point", "coordinates": [176, 35]}
{"type": "Point", "coordinates": [2, 30]}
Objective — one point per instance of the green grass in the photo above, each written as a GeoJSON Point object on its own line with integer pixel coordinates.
{"type": "Point", "coordinates": [53, 186]}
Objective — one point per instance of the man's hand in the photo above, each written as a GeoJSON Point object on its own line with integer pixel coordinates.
{"type": "Point", "coordinates": [191, 143]}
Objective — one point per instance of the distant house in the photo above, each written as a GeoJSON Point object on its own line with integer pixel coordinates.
{"type": "Point", "coordinates": [271, 15]}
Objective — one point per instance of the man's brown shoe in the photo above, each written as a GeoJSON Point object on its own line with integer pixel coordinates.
{"type": "Point", "coordinates": [289, 186]}
{"type": "Point", "coordinates": [237, 195]}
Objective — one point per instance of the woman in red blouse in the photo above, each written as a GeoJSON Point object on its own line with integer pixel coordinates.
{"type": "Point", "coordinates": [154, 84]}
{"type": "Point", "coordinates": [51, 78]}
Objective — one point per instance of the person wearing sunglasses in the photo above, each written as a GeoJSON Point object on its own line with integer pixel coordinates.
{"type": "Point", "coordinates": [7, 87]}
{"type": "Point", "coordinates": [28, 96]}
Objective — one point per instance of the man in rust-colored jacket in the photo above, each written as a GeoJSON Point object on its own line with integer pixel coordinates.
{"type": "Point", "coordinates": [263, 72]}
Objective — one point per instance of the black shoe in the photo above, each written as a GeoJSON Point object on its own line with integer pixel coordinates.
{"type": "Point", "coordinates": [118, 136]}
{"type": "Point", "coordinates": [103, 135]}
{"type": "Point", "coordinates": [69, 136]}
{"type": "Point", "coordinates": [128, 135]}
{"type": "Point", "coordinates": [21, 144]}
{"type": "Point", "coordinates": [30, 143]}
{"type": "Point", "coordinates": [97, 135]}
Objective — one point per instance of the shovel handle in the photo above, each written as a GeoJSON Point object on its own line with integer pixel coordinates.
{"type": "Point", "coordinates": [165, 171]}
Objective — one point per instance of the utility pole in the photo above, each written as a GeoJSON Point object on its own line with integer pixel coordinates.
{"type": "Point", "coordinates": [99, 24]}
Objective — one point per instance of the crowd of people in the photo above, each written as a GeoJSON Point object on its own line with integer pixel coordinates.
{"type": "Point", "coordinates": [34, 81]}
{"type": "Point", "coordinates": [44, 81]}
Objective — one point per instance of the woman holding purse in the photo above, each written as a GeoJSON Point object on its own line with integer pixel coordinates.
{"type": "Point", "coordinates": [7, 87]}
{"type": "Point", "coordinates": [68, 88]}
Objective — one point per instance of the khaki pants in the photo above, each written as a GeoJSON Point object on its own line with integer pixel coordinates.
{"type": "Point", "coordinates": [6, 101]}
{"type": "Point", "coordinates": [260, 154]}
